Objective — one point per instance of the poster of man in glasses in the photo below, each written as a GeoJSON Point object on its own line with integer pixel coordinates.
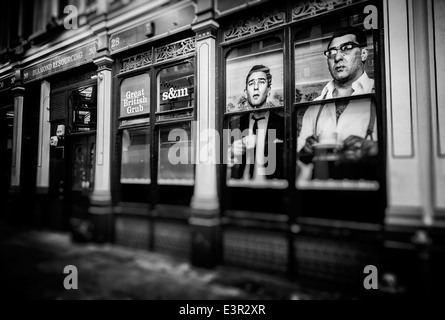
{"type": "Point", "coordinates": [337, 140]}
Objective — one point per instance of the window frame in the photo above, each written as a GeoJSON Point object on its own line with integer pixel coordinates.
{"type": "Point", "coordinates": [228, 193]}
{"type": "Point", "coordinates": [160, 123]}
{"type": "Point", "coordinates": [72, 109]}
{"type": "Point", "coordinates": [156, 190]}
{"type": "Point", "coordinates": [292, 196]}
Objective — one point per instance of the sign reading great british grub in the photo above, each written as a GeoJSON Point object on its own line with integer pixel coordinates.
{"type": "Point", "coordinates": [62, 62]}
{"type": "Point", "coordinates": [135, 96]}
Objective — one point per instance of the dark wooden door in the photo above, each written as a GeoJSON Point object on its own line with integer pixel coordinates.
{"type": "Point", "coordinates": [72, 181]}
{"type": "Point", "coordinates": [6, 133]}
{"type": "Point", "coordinates": [81, 173]}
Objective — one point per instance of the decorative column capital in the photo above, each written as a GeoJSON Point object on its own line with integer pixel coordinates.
{"type": "Point", "coordinates": [205, 29]}
{"type": "Point", "coordinates": [18, 91]}
{"type": "Point", "coordinates": [103, 62]}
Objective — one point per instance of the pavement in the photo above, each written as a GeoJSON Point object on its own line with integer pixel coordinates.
{"type": "Point", "coordinates": [32, 264]}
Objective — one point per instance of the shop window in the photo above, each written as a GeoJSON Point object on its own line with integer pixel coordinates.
{"type": "Point", "coordinates": [176, 88]}
{"type": "Point", "coordinates": [157, 110]}
{"type": "Point", "coordinates": [175, 112]}
{"type": "Point", "coordinates": [83, 109]}
{"type": "Point", "coordinates": [337, 136]}
{"type": "Point", "coordinates": [135, 96]}
{"type": "Point", "coordinates": [289, 123]}
{"type": "Point", "coordinates": [175, 155]}
{"type": "Point", "coordinates": [255, 115]}
{"type": "Point", "coordinates": [83, 164]}
{"type": "Point", "coordinates": [135, 156]}
{"type": "Point", "coordinates": [135, 130]}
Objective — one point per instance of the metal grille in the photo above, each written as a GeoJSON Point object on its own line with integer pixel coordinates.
{"type": "Point", "coordinates": [58, 106]}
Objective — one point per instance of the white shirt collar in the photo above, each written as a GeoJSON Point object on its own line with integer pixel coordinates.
{"type": "Point", "coordinates": [362, 85]}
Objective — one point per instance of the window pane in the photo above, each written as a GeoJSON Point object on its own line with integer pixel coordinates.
{"type": "Point", "coordinates": [337, 143]}
{"type": "Point", "coordinates": [338, 154]}
{"type": "Point", "coordinates": [83, 109]}
{"type": "Point", "coordinates": [255, 150]}
{"type": "Point", "coordinates": [92, 163]}
{"type": "Point", "coordinates": [311, 68]}
{"type": "Point", "coordinates": [176, 87]}
{"type": "Point", "coordinates": [175, 155]}
{"type": "Point", "coordinates": [135, 96]}
{"type": "Point", "coordinates": [79, 173]}
{"type": "Point", "coordinates": [254, 141]}
{"type": "Point", "coordinates": [10, 125]}
{"type": "Point", "coordinates": [136, 156]}
{"type": "Point", "coordinates": [262, 60]}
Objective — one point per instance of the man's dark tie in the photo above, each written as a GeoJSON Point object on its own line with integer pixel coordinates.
{"type": "Point", "coordinates": [254, 129]}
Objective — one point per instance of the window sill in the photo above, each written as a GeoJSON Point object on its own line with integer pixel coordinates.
{"type": "Point", "coordinates": [258, 184]}
{"type": "Point", "coordinates": [135, 181]}
{"type": "Point", "coordinates": [340, 185]}
{"type": "Point", "coordinates": [177, 182]}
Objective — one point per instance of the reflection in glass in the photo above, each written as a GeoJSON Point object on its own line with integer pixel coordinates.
{"type": "Point", "coordinates": [84, 109]}
{"type": "Point", "coordinates": [79, 172]}
{"type": "Point", "coordinates": [92, 166]}
{"type": "Point", "coordinates": [135, 156]}
{"type": "Point", "coordinates": [175, 155]}
{"type": "Point", "coordinates": [176, 90]}
{"type": "Point", "coordinates": [84, 163]}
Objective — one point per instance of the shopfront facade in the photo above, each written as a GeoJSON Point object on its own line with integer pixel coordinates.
{"type": "Point", "coordinates": [126, 133]}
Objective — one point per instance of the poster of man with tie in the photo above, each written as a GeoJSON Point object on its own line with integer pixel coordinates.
{"type": "Point", "coordinates": [257, 131]}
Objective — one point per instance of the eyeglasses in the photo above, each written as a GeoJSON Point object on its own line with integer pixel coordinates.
{"type": "Point", "coordinates": [345, 49]}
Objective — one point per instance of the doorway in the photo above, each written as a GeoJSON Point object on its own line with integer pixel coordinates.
{"type": "Point", "coordinates": [80, 172]}
{"type": "Point", "coordinates": [6, 136]}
